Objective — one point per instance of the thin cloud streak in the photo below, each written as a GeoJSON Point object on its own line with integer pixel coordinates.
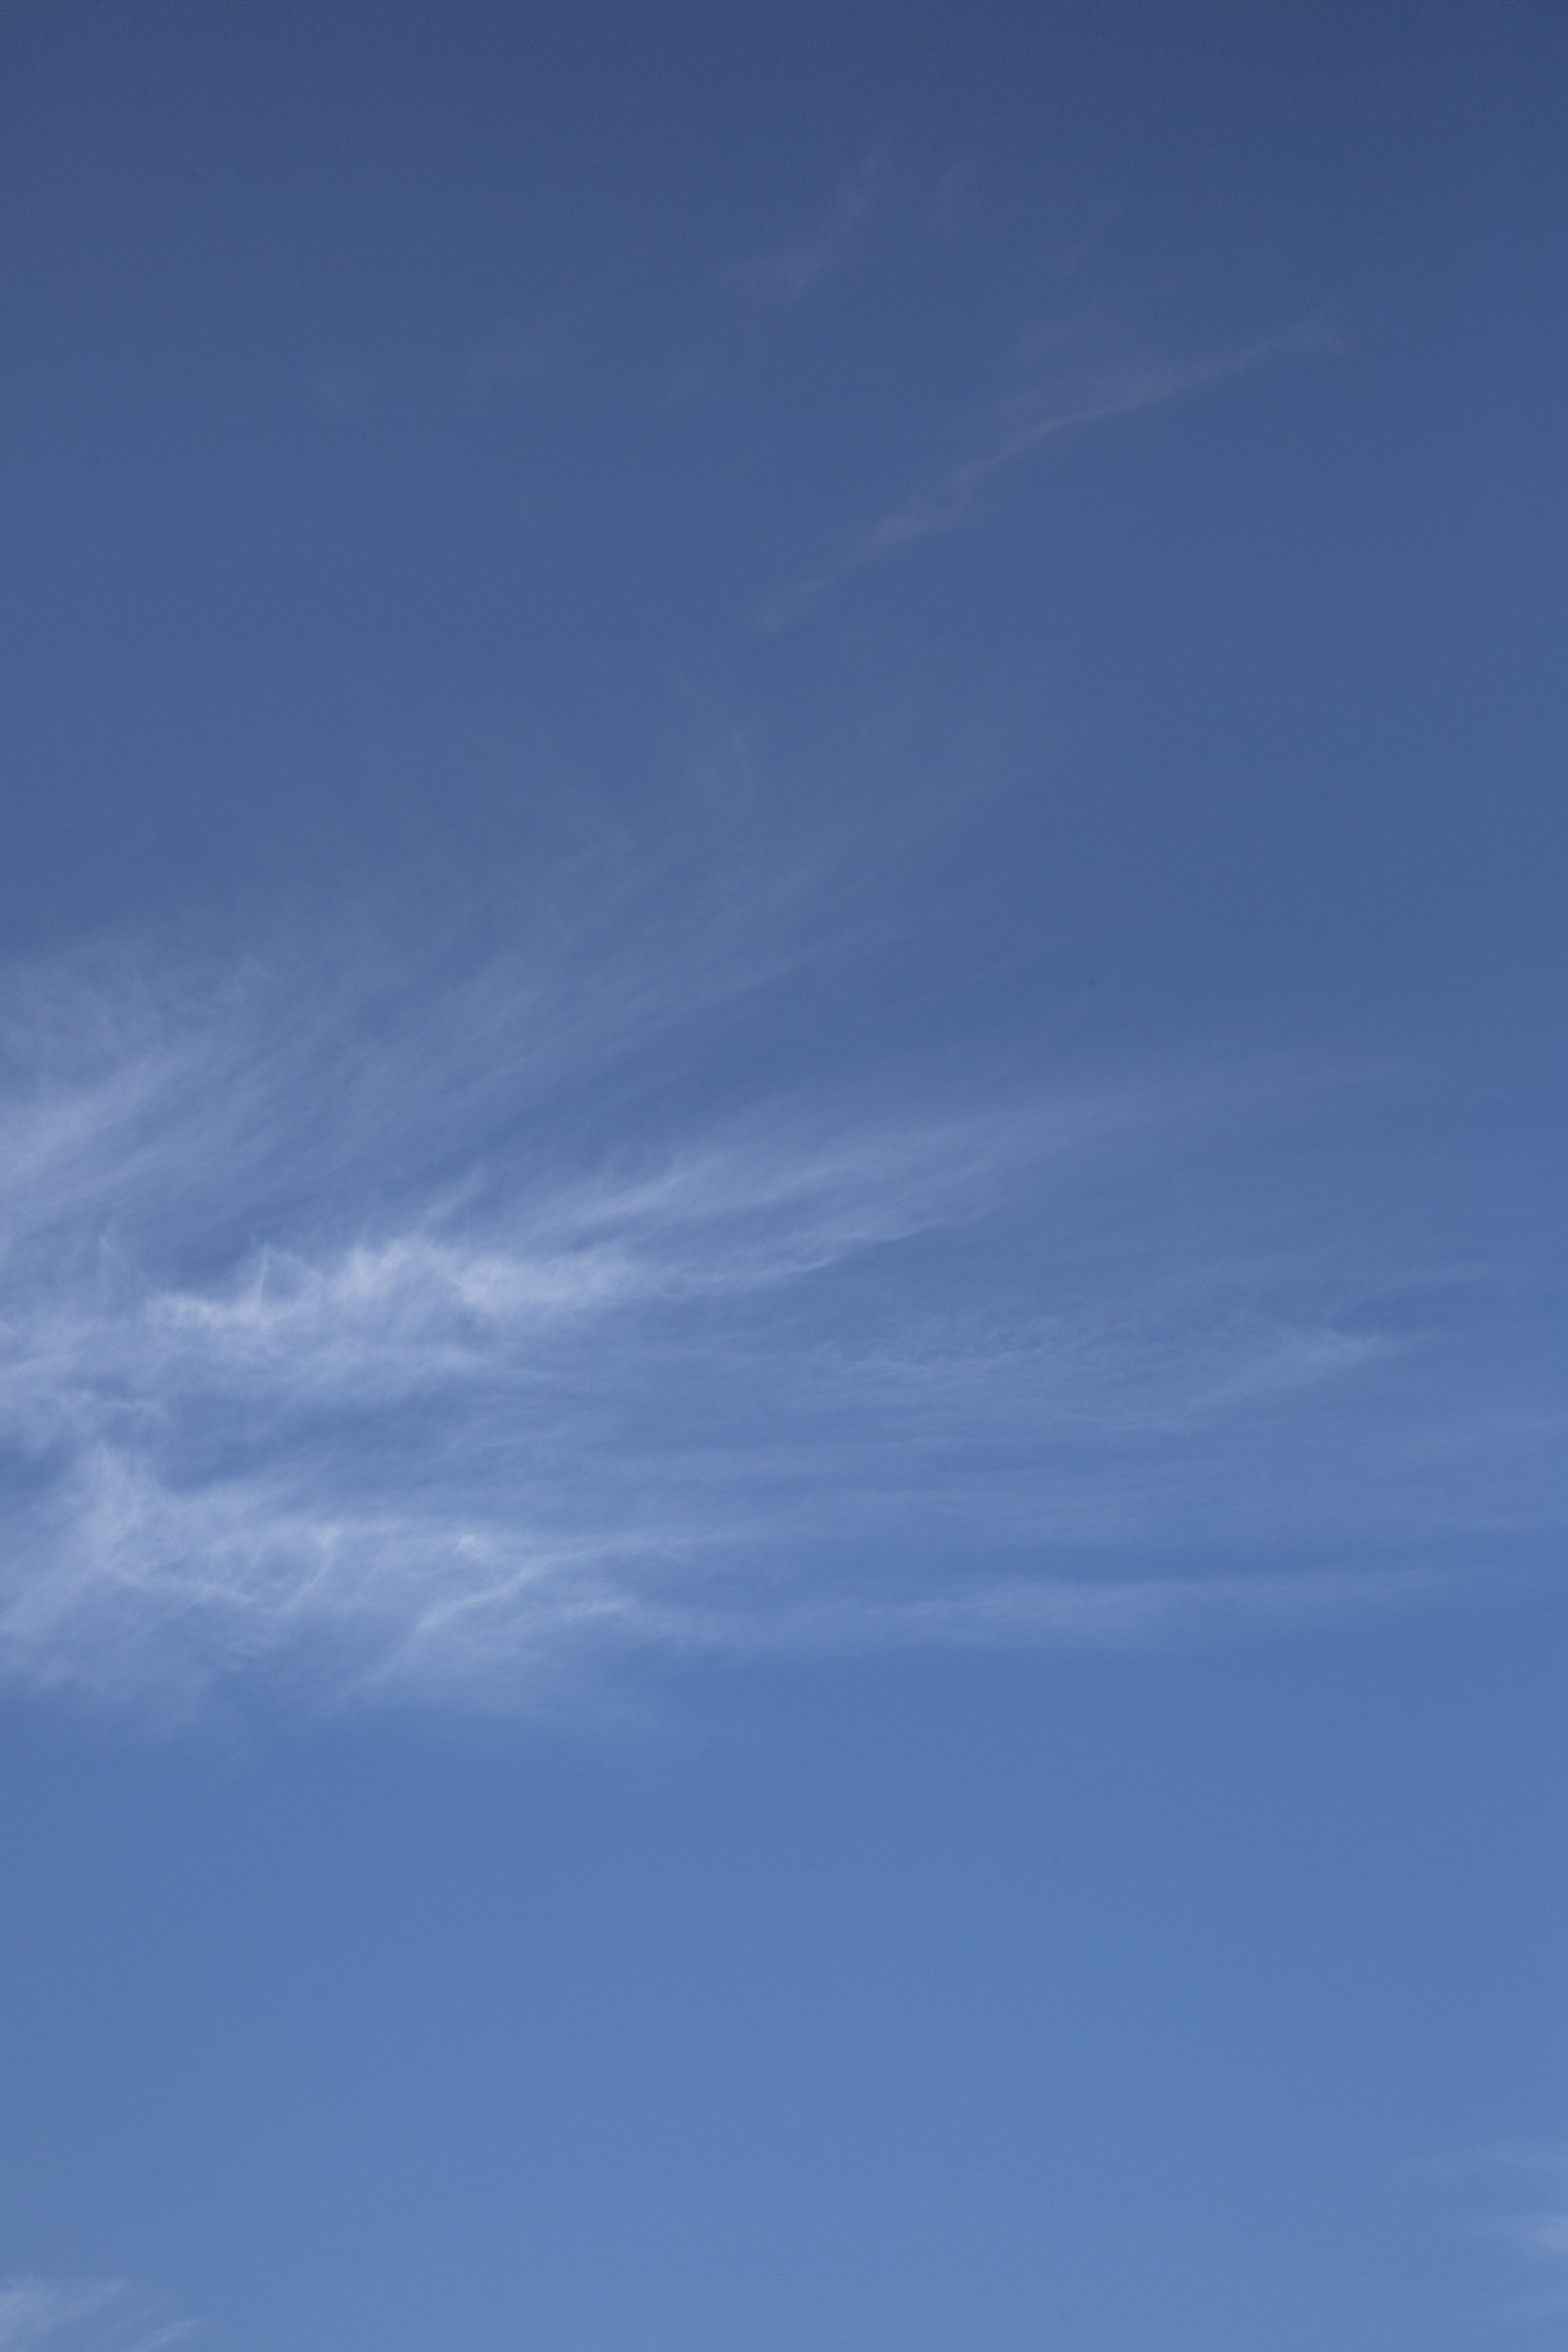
{"type": "Point", "coordinates": [372, 1330]}
{"type": "Point", "coordinates": [1022, 426]}
{"type": "Point", "coordinates": [789, 275]}
{"type": "Point", "coordinates": [51, 2315]}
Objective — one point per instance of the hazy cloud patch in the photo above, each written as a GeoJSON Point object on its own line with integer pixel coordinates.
{"type": "Point", "coordinates": [453, 1323]}
{"type": "Point", "coordinates": [55, 2315]}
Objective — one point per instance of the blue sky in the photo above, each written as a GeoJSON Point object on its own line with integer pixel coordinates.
{"type": "Point", "coordinates": [780, 1082]}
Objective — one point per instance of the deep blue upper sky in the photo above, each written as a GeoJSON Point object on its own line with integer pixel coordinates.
{"type": "Point", "coordinates": [781, 1367]}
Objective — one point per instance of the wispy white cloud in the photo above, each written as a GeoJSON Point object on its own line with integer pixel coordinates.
{"type": "Point", "coordinates": [798, 270]}
{"type": "Point", "coordinates": [1062, 400]}
{"type": "Point", "coordinates": [371, 1325]}
{"type": "Point", "coordinates": [76, 2316]}
{"type": "Point", "coordinates": [1514, 2195]}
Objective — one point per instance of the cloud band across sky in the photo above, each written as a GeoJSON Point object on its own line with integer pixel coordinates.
{"type": "Point", "coordinates": [449, 1331]}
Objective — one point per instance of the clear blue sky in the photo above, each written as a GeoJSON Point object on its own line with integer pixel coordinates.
{"type": "Point", "coordinates": [781, 1352]}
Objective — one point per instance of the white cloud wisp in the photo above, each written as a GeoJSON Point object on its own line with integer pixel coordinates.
{"type": "Point", "coordinates": [1516, 2198]}
{"type": "Point", "coordinates": [796, 270]}
{"type": "Point", "coordinates": [450, 1332]}
{"type": "Point", "coordinates": [1041, 412]}
{"type": "Point", "coordinates": [51, 2315]}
